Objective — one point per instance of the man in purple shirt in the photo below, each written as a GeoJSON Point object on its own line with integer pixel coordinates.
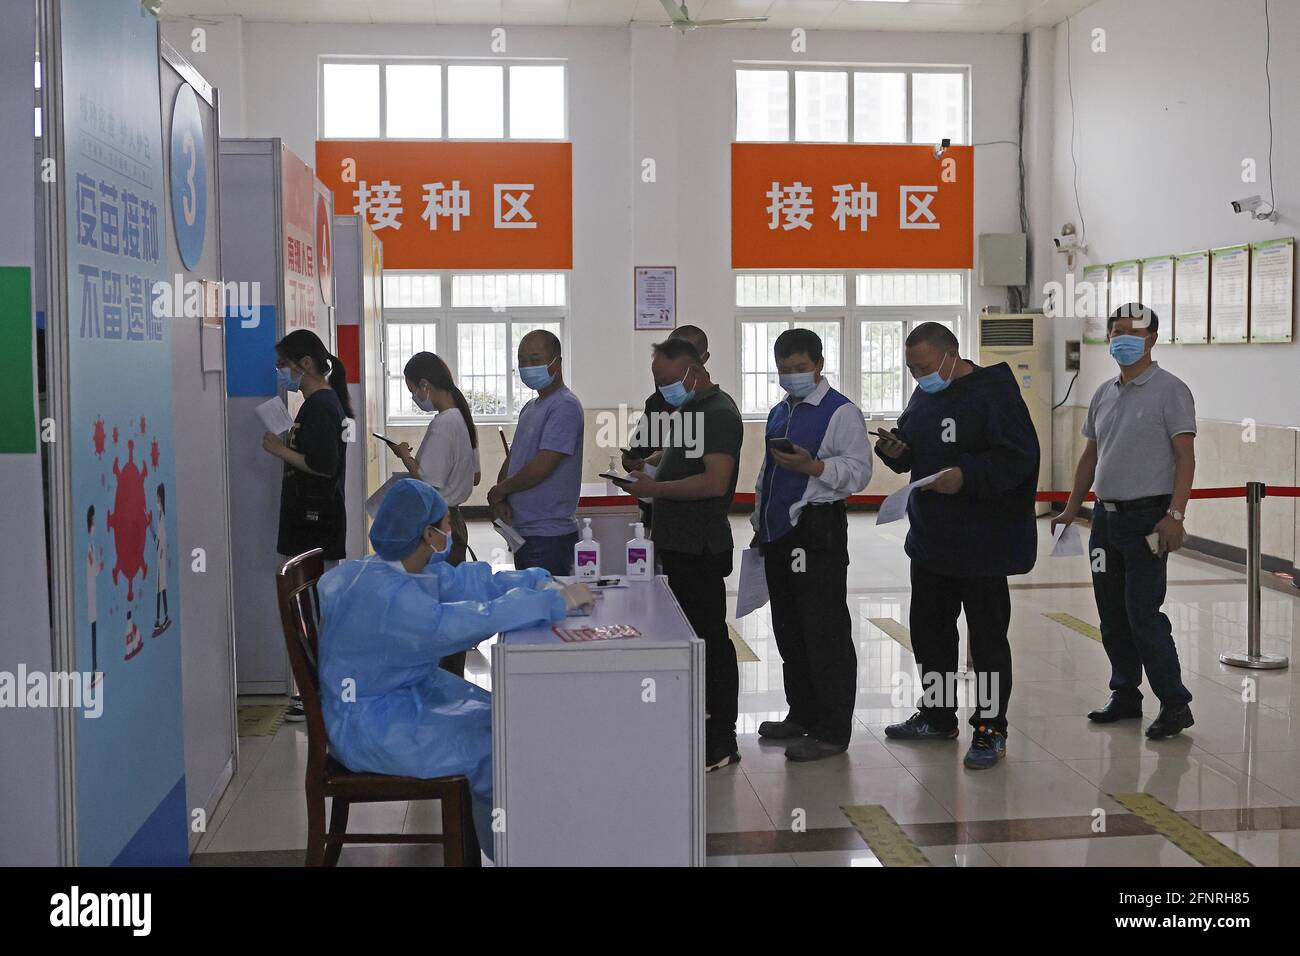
{"type": "Point", "coordinates": [538, 485]}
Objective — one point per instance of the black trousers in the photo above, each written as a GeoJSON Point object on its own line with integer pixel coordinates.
{"type": "Point", "coordinates": [937, 600]}
{"type": "Point", "coordinates": [1129, 583]}
{"type": "Point", "coordinates": [699, 582]}
{"type": "Point", "coordinates": [807, 584]}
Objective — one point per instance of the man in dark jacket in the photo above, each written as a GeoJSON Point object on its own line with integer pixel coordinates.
{"type": "Point", "coordinates": [970, 529]}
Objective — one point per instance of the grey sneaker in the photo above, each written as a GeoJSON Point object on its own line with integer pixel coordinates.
{"type": "Point", "coordinates": [810, 748]}
{"type": "Point", "coordinates": [918, 727]}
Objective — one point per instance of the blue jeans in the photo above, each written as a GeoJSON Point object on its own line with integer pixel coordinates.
{"type": "Point", "coordinates": [552, 552]}
{"type": "Point", "coordinates": [1130, 587]}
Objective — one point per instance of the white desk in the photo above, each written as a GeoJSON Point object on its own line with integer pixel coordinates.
{"type": "Point", "coordinates": [598, 747]}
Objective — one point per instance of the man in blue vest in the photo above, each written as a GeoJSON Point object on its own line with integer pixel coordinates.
{"type": "Point", "coordinates": [970, 529]}
{"type": "Point", "coordinates": [817, 455]}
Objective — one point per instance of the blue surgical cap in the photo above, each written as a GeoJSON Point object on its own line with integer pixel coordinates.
{"type": "Point", "coordinates": [409, 507]}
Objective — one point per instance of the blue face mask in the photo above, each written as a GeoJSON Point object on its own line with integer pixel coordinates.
{"type": "Point", "coordinates": [537, 377]}
{"type": "Point", "coordinates": [287, 380]}
{"type": "Point", "coordinates": [1127, 349]}
{"type": "Point", "coordinates": [798, 384]}
{"type": "Point", "coordinates": [935, 382]}
{"type": "Point", "coordinates": [677, 394]}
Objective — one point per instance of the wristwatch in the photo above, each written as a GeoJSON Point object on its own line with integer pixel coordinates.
{"type": "Point", "coordinates": [1175, 514]}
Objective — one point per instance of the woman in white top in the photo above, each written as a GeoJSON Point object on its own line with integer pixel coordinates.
{"type": "Point", "coordinates": [448, 455]}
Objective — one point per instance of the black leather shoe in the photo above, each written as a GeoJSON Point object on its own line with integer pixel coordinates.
{"type": "Point", "coordinates": [1170, 722]}
{"type": "Point", "coordinates": [1117, 708]}
{"type": "Point", "coordinates": [781, 729]}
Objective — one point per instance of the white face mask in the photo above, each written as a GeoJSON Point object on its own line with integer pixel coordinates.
{"type": "Point", "coordinates": [423, 404]}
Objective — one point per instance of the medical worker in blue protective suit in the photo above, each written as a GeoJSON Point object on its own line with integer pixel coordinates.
{"type": "Point", "coordinates": [386, 622]}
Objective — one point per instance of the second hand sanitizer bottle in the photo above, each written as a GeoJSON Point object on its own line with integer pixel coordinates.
{"type": "Point", "coordinates": [640, 555]}
{"type": "Point", "coordinates": [586, 555]}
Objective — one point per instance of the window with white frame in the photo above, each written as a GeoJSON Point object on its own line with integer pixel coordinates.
{"type": "Point", "coordinates": [859, 104]}
{"type": "Point", "coordinates": [863, 319]}
{"type": "Point", "coordinates": [416, 98]}
{"type": "Point", "coordinates": [477, 320]}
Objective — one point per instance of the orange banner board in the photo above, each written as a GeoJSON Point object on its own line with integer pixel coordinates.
{"type": "Point", "coordinates": [806, 206]}
{"type": "Point", "coordinates": [443, 205]}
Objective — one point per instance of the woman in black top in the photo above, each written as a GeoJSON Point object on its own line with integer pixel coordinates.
{"type": "Point", "coordinates": [312, 511]}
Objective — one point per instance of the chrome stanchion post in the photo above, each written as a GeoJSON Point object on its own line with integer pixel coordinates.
{"type": "Point", "coordinates": [1254, 658]}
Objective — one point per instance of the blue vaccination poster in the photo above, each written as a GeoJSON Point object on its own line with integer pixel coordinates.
{"type": "Point", "coordinates": [130, 767]}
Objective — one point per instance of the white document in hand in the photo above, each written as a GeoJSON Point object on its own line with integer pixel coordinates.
{"type": "Point", "coordinates": [513, 540]}
{"type": "Point", "coordinates": [375, 500]}
{"type": "Point", "coordinates": [274, 416]}
{"type": "Point", "coordinates": [752, 592]}
{"type": "Point", "coordinates": [894, 507]}
{"type": "Point", "coordinates": [1066, 541]}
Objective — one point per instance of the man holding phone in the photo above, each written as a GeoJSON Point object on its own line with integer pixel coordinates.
{"type": "Point", "coordinates": [970, 530]}
{"type": "Point", "coordinates": [692, 490]}
{"type": "Point", "coordinates": [1141, 431]}
{"type": "Point", "coordinates": [818, 454]}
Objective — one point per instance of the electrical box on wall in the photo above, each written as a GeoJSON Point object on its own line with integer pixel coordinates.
{"type": "Point", "coordinates": [1002, 259]}
{"type": "Point", "coordinates": [1072, 349]}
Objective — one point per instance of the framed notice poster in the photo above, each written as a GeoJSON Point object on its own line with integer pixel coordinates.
{"type": "Point", "coordinates": [656, 297]}
{"type": "Point", "coordinates": [1125, 283]}
{"type": "Point", "coordinates": [1158, 294]}
{"type": "Point", "coordinates": [1272, 290]}
{"type": "Point", "coordinates": [1094, 303]}
{"type": "Point", "coordinates": [1192, 298]}
{"type": "Point", "coordinates": [1229, 300]}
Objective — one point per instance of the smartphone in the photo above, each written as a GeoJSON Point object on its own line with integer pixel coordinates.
{"type": "Point", "coordinates": [617, 479]}
{"type": "Point", "coordinates": [881, 434]}
{"type": "Point", "coordinates": [1154, 543]}
{"type": "Point", "coordinates": [504, 444]}
{"type": "Point", "coordinates": [387, 441]}
{"type": "Point", "coordinates": [781, 444]}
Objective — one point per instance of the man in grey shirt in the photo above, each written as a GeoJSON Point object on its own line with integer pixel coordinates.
{"type": "Point", "coordinates": [1141, 431]}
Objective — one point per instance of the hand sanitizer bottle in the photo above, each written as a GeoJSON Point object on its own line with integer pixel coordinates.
{"type": "Point", "coordinates": [613, 469]}
{"type": "Point", "coordinates": [586, 555]}
{"type": "Point", "coordinates": [640, 555]}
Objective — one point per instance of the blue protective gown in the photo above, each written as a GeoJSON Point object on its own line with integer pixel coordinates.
{"type": "Point", "coordinates": [386, 629]}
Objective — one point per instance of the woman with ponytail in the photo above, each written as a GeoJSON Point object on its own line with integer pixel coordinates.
{"type": "Point", "coordinates": [448, 456]}
{"type": "Point", "coordinates": [312, 512]}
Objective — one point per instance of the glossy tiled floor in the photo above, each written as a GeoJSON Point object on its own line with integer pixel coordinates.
{"type": "Point", "coordinates": [1037, 808]}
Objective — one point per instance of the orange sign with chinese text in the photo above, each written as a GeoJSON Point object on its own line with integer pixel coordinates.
{"type": "Point", "coordinates": [444, 205]}
{"type": "Point", "coordinates": [806, 206]}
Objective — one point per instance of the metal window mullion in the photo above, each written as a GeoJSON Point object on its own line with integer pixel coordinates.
{"type": "Point", "coordinates": [505, 101]}
{"type": "Point", "coordinates": [908, 87]}
{"type": "Point", "coordinates": [790, 92]}
{"type": "Point", "coordinates": [383, 99]}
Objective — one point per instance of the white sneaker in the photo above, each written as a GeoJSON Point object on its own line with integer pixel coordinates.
{"type": "Point", "coordinates": [295, 714]}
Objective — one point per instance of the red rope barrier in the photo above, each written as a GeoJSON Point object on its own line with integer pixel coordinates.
{"type": "Point", "coordinates": [1230, 491]}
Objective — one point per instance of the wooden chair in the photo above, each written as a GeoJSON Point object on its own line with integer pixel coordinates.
{"type": "Point", "coordinates": [326, 776]}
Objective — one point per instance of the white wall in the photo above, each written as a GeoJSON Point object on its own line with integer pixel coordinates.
{"type": "Point", "coordinates": [1165, 118]}
{"type": "Point", "coordinates": [636, 93]}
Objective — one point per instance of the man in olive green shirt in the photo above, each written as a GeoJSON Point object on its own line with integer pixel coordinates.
{"type": "Point", "coordinates": [694, 483]}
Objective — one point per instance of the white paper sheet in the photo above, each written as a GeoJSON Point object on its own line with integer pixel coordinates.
{"type": "Point", "coordinates": [752, 591]}
{"type": "Point", "coordinates": [894, 508]}
{"type": "Point", "coordinates": [274, 416]}
{"type": "Point", "coordinates": [375, 500]}
{"type": "Point", "coordinates": [513, 540]}
{"type": "Point", "coordinates": [1066, 541]}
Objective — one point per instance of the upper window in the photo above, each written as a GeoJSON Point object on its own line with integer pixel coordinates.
{"type": "Point", "coordinates": [432, 99]}
{"type": "Point", "coordinates": [779, 104]}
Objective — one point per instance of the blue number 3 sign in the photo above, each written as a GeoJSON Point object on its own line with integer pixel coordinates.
{"type": "Point", "coordinates": [189, 177]}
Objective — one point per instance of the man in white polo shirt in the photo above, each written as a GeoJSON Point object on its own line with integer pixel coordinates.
{"type": "Point", "coordinates": [1141, 431]}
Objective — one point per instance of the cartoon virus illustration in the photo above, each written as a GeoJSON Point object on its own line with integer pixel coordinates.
{"type": "Point", "coordinates": [115, 434]}
{"type": "Point", "coordinates": [141, 424]}
{"type": "Point", "coordinates": [153, 454]}
{"type": "Point", "coordinates": [98, 437]}
{"type": "Point", "coordinates": [128, 521]}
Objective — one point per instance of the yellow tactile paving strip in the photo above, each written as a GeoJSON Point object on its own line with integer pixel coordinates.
{"type": "Point", "coordinates": [1179, 831]}
{"type": "Point", "coordinates": [884, 836]}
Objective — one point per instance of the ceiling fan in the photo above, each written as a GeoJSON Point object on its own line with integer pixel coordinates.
{"type": "Point", "coordinates": [681, 18]}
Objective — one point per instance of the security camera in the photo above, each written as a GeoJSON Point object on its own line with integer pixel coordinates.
{"type": "Point", "coordinates": [942, 148]}
{"type": "Point", "coordinates": [1251, 205]}
{"type": "Point", "coordinates": [1068, 243]}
